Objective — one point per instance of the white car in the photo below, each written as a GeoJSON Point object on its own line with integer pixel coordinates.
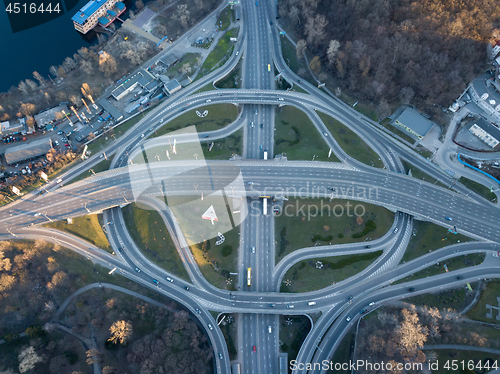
{"type": "Point", "coordinates": [56, 142]}
{"type": "Point", "coordinates": [372, 303]}
{"type": "Point", "coordinates": [59, 180]}
{"type": "Point", "coordinates": [210, 326]}
{"type": "Point", "coordinates": [396, 230]}
{"type": "Point", "coordinates": [237, 53]}
{"type": "Point", "coordinates": [170, 279]}
{"type": "Point", "coordinates": [269, 329]}
{"type": "Point", "coordinates": [253, 249]}
{"type": "Point", "coordinates": [37, 214]}
{"type": "Point", "coordinates": [208, 101]}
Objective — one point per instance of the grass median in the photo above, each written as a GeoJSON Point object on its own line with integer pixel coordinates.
{"type": "Point", "coordinates": [335, 222]}
{"type": "Point", "coordinates": [297, 138]}
{"type": "Point", "coordinates": [488, 296]}
{"type": "Point", "coordinates": [147, 229]}
{"type": "Point", "coordinates": [315, 274]}
{"type": "Point", "coordinates": [419, 174]}
{"type": "Point", "coordinates": [86, 227]}
{"type": "Point", "coordinates": [350, 142]}
{"type": "Point", "coordinates": [478, 188]}
{"type": "Point", "coordinates": [428, 237]}
{"type": "Point", "coordinates": [220, 54]}
{"type": "Point", "coordinates": [218, 116]}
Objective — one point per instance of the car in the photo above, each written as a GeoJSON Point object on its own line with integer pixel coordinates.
{"type": "Point", "coordinates": [261, 147]}
{"type": "Point", "coordinates": [251, 124]}
{"type": "Point", "coordinates": [325, 134]}
{"type": "Point", "coordinates": [396, 230]}
{"type": "Point", "coordinates": [237, 53]}
{"type": "Point", "coordinates": [67, 145]}
{"type": "Point", "coordinates": [348, 318]}
{"type": "Point", "coordinates": [59, 180]}
{"type": "Point", "coordinates": [249, 182]}
{"type": "Point", "coordinates": [300, 82]}
{"type": "Point", "coordinates": [187, 288]}
{"type": "Point", "coordinates": [255, 111]}
{"type": "Point", "coordinates": [363, 311]}
{"type": "Point", "coordinates": [220, 355]}
{"type": "Point", "coordinates": [169, 279]}
{"type": "Point", "coordinates": [60, 133]}
{"type": "Point", "coordinates": [208, 101]}
{"type": "Point", "coordinates": [205, 136]}
{"type": "Point", "coordinates": [449, 219]}
{"type": "Point", "coordinates": [198, 311]}
{"type": "Point", "coordinates": [272, 305]}
{"type": "Point", "coordinates": [290, 306]}
{"type": "Point", "coordinates": [411, 289]}
{"type": "Point", "coordinates": [37, 214]}
{"type": "Point", "coordinates": [459, 277]}
{"type": "Point", "coordinates": [261, 125]}
{"type": "Point", "coordinates": [155, 281]}
{"type": "Point", "coordinates": [254, 349]}
{"type": "Point", "coordinates": [368, 246]}
{"type": "Point", "coordinates": [161, 121]}
{"type": "Point", "coordinates": [138, 270]}
{"type": "Point", "coordinates": [56, 142]}
{"type": "Point", "coordinates": [120, 249]}
{"type": "Point", "coordinates": [210, 326]}
{"type": "Point", "coordinates": [271, 23]}
{"type": "Point", "coordinates": [64, 140]}
{"type": "Point", "coordinates": [349, 298]}
{"type": "Point", "coordinates": [269, 329]}
{"type": "Point", "coordinates": [253, 249]}
{"type": "Point", "coordinates": [372, 303]}
{"type": "Point", "coordinates": [142, 135]}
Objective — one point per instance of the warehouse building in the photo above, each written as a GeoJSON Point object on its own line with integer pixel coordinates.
{"type": "Point", "coordinates": [27, 151]}
{"type": "Point", "coordinates": [414, 123]}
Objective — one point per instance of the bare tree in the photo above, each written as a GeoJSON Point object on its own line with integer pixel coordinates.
{"type": "Point", "coordinates": [41, 80]}
{"type": "Point", "coordinates": [315, 65]}
{"type": "Point", "coordinates": [61, 72]}
{"type": "Point", "coordinates": [31, 84]}
{"type": "Point", "coordinates": [132, 55]}
{"type": "Point", "coordinates": [331, 52]}
{"type": "Point", "coordinates": [28, 358]}
{"type": "Point", "coordinates": [54, 71]}
{"type": "Point", "coordinates": [315, 29]}
{"type": "Point", "coordinates": [139, 5]}
{"type": "Point", "coordinates": [120, 331]}
{"type": "Point", "coordinates": [300, 48]}
{"type": "Point", "coordinates": [4, 262]}
{"type": "Point", "coordinates": [93, 356]}
{"type": "Point", "coordinates": [27, 109]}
{"type": "Point", "coordinates": [23, 87]}
{"type": "Point", "coordinates": [86, 66]}
{"type": "Point", "coordinates": [107, 64]}
{"type": "Point", "coordinates": [182, 14]}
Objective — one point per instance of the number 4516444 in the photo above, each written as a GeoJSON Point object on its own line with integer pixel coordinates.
{"type": "Point", "coordinates": [32, 8]}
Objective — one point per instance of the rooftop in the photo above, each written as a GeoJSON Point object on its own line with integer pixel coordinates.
{"type": "Point", "coordinates": [415, 121]}
{"type": "Point", "coordinates": [87, 10]}
{"type": "Point", "coordinates": [488, 127]}
{"type": "Point", "coordinates": [48, 115]}
{"type": "Point", "coordinates": [27, 150]}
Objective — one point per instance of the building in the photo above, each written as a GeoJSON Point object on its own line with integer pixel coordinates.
{"type": "Point", "coordinates": [110, 108]}
{"type": "Point", "coordinates": [7, 128]}
{"type": "Point", "coordinates": [414, 123]}
{"type": "Point", "coordinates": [485, 131]}
{"type": "Point", "coordinates": [169, 60]}
{"type": "Point", "coordinates": [172, 86]}
{"type": "Point", "coordinates": [103, 12]}
{"type": "Point", "coordinates": [237, 12]}
{"type": "Point", "coordinates": [27, 151]}
{"type": "Point", "coordinates": [51, 115]}
{"type": "Point", "coordinates": [142, 78]}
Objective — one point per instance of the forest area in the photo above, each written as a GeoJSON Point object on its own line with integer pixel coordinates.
{"type": "Point", "coordinates": [44, 329]}
{"type": "Point", "coordinates": [392, 52]}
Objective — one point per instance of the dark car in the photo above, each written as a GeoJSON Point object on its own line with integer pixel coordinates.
{"type": "Point", "coordinates": [205, 136]}
{"type": "Point", "coordinates": [363, 311]}
{"type": "Point", "coordinates": [368, 246]}
{"type": "Point", "coordinates": [187, 288]}
{"type": "Point", "coordinates": [349, 298]}
{"type": "Point", "coordinates": [411, 289]}
{"type": "Point", "coordinates": [459, 277]}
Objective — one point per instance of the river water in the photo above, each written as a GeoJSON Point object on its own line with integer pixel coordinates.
{"type": "Point", "coordinates": [36, 48]}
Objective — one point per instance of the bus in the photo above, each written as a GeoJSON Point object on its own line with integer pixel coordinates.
{"type": "Point", "coordinates": [268, 67]}
{"type": "Point", "coordinates": [249, 277]}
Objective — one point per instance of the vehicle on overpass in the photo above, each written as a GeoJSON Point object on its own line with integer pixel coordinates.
{"type": "Point", "coordinates": [264, 207]}
{"type": "Point", "coordinates": [268, 67]}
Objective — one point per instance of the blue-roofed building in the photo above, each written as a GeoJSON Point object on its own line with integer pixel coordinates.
{"type": "Point", "coordinates": [97, 11]}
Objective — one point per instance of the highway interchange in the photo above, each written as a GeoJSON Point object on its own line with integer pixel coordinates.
{"type": "Point", "coordinates": [259, 45]}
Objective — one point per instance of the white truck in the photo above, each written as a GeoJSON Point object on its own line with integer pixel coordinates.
{"type": "Point", "coordinates": [265, 155]}
{"type": "Point", "coordinates": [264, 210]}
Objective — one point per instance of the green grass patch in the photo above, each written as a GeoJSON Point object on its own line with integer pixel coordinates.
{"type": "Point", "coordinates": [362, 107]}
{"type": "Point", "coordinates": [419, 174]}
{"type": "Point", "coordinates": [478, 188]}
{"type": "Point", "coordinates": [294, 230]}
{"type": "Point", "coordinates": [224, 19]}
{"type": "Point", "coordinates": [454, 263]}
{"type": "Point", "coordinates": [306, 277]}
{"type": "Point", "coordinates": [86, 227]}
{"type": "Point", "coordinates": [220, 54]}
{"type": "Point", "coordinates": [351, 143]}
{"type": "Point", "coordinates": [188, 58]}
{"type": "Point", "coordinates": [216, 267]}
{"type": "Point", "coordinates": [456, 299]}
{"type": "Point", "coordinates": [229, 330]}
{"type": "Point", "coordinates": [233, 79]}
{"type": "Point", "coordinates": [147, 229]}
{"type": "Point", "coordinates": [219, 115]}
{"type": "Point", "coordinates": [488, 296]}
{"type": "Point", "coordinates": [225, 148]}
{"type": "Point", "coordinates": [293, 332]}
{"type": "Point", "coordinates": [290, 56]}
{"type": "Point", "coordinates": [297, 138]}
{"type": "Point", "coordinates": [428, 237]}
